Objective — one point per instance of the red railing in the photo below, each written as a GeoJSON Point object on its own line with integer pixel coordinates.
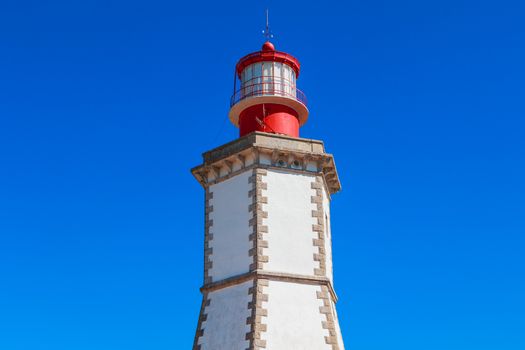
{"type": "Point", "coordinates": [271, 87]}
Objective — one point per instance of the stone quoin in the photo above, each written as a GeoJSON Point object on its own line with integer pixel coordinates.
{"type": "Point", "coordinates": [268, 278]}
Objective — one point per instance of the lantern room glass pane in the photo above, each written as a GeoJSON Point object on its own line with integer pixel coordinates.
{"type": "Point", "coordinates": [274, 78]}
{"type": "Point", "coordinates": [277, 78]}
{"type": "Point", "coordinates": [257, 77]}
{"type": "Point", "coordinates": [277, 70]}
{"type": "Point", "coordinates": [247, 88]}
{"type": "Point", "coordinates": [266, 76]}
{"type": "Point", "coordinates": [286, 79]}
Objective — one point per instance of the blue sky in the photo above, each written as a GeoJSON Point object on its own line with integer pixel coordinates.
{"type": "Point", "coordinates": [106, 105]}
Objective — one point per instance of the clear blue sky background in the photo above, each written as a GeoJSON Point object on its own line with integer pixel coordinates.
{"type": "Point", "coordinates": [106, 105]}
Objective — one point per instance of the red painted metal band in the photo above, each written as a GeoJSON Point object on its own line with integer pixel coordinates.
{"type": "Point", "coordinates": [269, 56]}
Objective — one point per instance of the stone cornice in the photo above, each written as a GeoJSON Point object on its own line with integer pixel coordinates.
{"type": "Point", "coordinates": [268, 151]}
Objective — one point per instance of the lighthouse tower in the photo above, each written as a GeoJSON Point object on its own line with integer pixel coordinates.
{"type": "Point", "coordinates": [268, 281]}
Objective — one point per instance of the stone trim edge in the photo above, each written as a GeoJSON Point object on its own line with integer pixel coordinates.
{"type": "Point", "coordinates": [202, 317]}
{"type": "Point", "coordinates": [208, 236]}
{"type": "Point", "coordinates": [259, 230]}
{"type": "Point", "coordinates": [318, 227]}
{"type": "Point", "coordinates": [256, 222]}
{"type": "Point", "coordinates": [257, 327]}
{"type": "Point", "coordinates": [329, 324]}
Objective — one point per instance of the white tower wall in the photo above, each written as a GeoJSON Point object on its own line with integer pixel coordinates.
{"type": "Point", "coordinates": [229, 228]}
{"type": "Point", "coordinates": [290, 221]}
{"type": "Point", "coordinates": [225, 321]}
{"type": "Point", "coordinates": [288, 303]}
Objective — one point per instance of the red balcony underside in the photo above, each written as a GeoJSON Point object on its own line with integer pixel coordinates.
{"type": "Point", "coordinates": [271, 118]}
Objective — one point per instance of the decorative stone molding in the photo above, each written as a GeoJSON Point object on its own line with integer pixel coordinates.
{"type": "Point", "coordinates": [262, 150]}
{"type": "Point", "coordinates": [202, 317]}
{"type": "Point", "coordinates": [208, 236]}
{"type": "Point", "coordinates": [259, 230]}
{"type": "Point", "coordinates": [257, 313]}
{"type": "Point", "coordinates": [329, 324]}
{"type": "Point", "coordinates": [256, 223]}
{"type": "Point", "coordinates": [208, 223]}
{"type": "Point", "coordinates": [318, 227]}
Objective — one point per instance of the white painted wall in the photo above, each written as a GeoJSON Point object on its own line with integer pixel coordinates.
{"type": "Point", "coordinates": [294, 321]}
{"type": "Point", "coordinates": [290, 246]}
{"type": "Point", "coordinates": [225, 327]}
{"type": "Point", "coordinates": [230, 229]}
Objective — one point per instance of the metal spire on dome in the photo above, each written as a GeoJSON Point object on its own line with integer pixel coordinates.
{"type": "Point", "coordinates": [266, 32]}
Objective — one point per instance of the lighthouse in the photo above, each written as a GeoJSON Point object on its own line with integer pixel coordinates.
{"type": "Point", "coordinates": [268, 277]}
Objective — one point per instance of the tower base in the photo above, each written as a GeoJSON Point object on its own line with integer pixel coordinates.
{"type": "Point", "coordinates": [276, 312]}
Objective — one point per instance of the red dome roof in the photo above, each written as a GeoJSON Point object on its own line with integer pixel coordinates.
{"type": "Point", "coordinates": [268, 46]}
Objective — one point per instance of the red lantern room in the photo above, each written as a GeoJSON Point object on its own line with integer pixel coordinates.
{"type": "Point", "coordinates": [265, 96]}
